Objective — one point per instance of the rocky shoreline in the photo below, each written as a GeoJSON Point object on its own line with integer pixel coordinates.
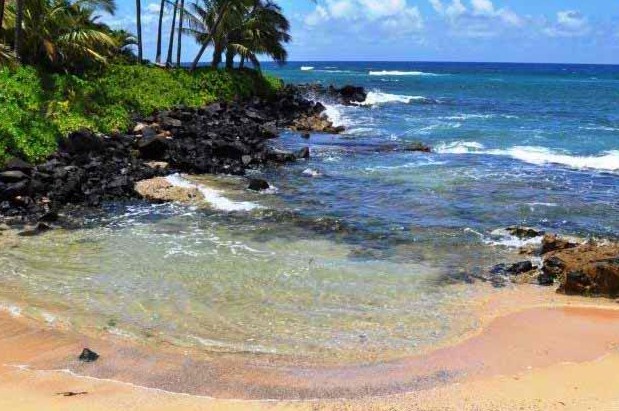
{"type": "Point", "coordinates": [221, 138]}
{"type": "Point", "coordinates": [579, 267]}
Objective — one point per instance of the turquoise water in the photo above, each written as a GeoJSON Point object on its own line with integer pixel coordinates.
{"type": "Point", "coordinates": [363, 251]}
{"type": "Point", "coordinates": [515, 144]}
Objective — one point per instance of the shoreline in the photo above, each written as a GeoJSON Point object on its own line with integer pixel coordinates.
{"type": "Point", "coordinates": [514, 340]}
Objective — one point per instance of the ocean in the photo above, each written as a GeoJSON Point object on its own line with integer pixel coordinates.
{"type": "Point", "coordinates": [364, 251]}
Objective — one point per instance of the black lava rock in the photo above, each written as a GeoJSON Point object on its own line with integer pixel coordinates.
{"type": "Point", "coordinates": [88, 355]}
{"type": "Point", "coordinates": [257, 184]}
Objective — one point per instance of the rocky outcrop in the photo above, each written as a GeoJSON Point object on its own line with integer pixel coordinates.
{"type": "Point", "coordinates": [588, 269]}
{"type": "Point", "coordinates": [347, 95]}
{"type": "Point", "coordinates": [552, 242]}
{"type": "Point", "coordinates": [91, 168]}
{"type": "Point", "coordinates": [160, 190]}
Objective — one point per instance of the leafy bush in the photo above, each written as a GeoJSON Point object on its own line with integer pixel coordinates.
{"type": "Point", "coordinates": [37, 107]}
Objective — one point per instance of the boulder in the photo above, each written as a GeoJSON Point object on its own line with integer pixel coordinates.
{"type": "Point", "coordinates": [160, 190]}
{"type": "Point", "coordinates": [551, 242]}
{"type": "Point", "coordinates": [585, 270]}
{"type": "Point", "coordinates": [17, 164]}
{"type": "Point", "coordinates": [256, 184]}
{"type": "Point", "coordinates": [83, 141]}
{"type": "Point", "coordinates": [153, 148]}
{"type": "Point", "coordinates": [13, 176]}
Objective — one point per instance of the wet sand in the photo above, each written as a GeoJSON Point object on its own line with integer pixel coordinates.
{"type": "Point", "coordinates": [557, 357]}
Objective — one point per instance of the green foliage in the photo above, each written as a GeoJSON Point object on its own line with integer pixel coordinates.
{"type": "Point", "coordinates": [39, 107]}
{"type": "Point", "coordinates": [24, 129]}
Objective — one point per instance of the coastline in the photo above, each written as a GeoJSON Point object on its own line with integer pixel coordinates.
{"type": "Point", "coordinates": [509, 360]}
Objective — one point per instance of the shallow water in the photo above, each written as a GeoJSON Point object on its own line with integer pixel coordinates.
{"type": "Point", "coordinates": [359, 253]}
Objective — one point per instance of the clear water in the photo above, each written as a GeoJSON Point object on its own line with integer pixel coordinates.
{"type": "Point", "coordinates": [359, 252]}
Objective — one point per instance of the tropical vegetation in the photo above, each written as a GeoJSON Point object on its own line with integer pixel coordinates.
{"type": "Point", "coordinates": [62, 68]}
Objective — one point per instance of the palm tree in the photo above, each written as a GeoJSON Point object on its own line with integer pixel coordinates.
{"type": "Point", "coordinates": [263, 30]}
{"type": "Point", "coordinates": [180, 34]}
{"type": "Point", "coordinates": [61, 34]}
{"type": "Point", "coordinates": [19, 18]}
{"type": "Point", "coordinates": [171, 44]}
{"type": "Point", "coordinates": [138, 8]}
{"type": "Point", "coordinates": [205, 21]}
{"type": "Point", "coordinates": [160, 32]}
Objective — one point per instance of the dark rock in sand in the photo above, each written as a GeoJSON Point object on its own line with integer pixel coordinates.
{"type": "Point", "coordinates": [521, 268]}
{"type": "Point", "coordinates": [552, 242]}
{"type": "Point", "coordinates": [88, 355]}
{"type": "Point", "coordinates": [545, 279]}
{"type": "Point", "coordinates": [257, 184]}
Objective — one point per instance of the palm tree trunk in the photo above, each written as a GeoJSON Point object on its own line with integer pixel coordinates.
{"type": "Point", "coordinates": [230, 59]}
{"type": "Point", "coordinates": [138, 12]}
{"type": "Point", "coordinates": [242, 63]}
{"type": "Point", "coordinates": [216, 57]}
{"type": "Point", "coordinates": [1, 14]}
{"type": "Point", "coordinates": [159, 32]}
{"type": "Point", "coordinates": [222, 12]}
{"type": "Point", "coordinates": [19, 18]}
{"type": "Point", "coordinates": [179, 41]}
{"type": "Point", "coordinates": [171, 45]}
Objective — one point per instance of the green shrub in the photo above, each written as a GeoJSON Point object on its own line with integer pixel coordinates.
{"type": "Point", "coordinates": [37, 107]}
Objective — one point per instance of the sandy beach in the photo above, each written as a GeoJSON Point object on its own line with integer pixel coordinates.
{"type": "Point", "coordinates": [561, 355]}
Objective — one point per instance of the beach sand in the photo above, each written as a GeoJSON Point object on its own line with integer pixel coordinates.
{"type": "Point", "coordinates": [561, 355]}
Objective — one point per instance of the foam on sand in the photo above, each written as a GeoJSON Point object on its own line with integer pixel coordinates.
{"type": "Point", "coordinates": [213, 197]}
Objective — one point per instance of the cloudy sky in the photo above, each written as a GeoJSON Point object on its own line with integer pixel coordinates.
{"type": "Point", "coordinates": [573, 31]}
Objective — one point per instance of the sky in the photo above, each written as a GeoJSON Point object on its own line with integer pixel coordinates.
{"type": "Point", "coordinates": [541, 31]}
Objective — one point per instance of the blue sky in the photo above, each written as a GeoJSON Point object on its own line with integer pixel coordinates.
{"type": "Point", "coordinates": [572, 31]}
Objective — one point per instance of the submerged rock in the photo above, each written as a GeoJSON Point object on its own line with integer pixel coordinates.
{"type": "Point", "coordinates": [160, 190]}
{"type": "Point", "coordinates": [256, 184]}
{"type": "Point", "coordinates": [524, 232]}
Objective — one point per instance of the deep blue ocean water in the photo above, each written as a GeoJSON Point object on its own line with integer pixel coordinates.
{"type": "Point", "coordinates": [514, 144]}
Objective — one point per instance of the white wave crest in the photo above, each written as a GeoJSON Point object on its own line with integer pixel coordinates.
{"type": "Point", "coordinates": [376, 97]}
{"type": "Point", "coordinates": [607, 161]}
{"type": "Point", "coordinates": [335, 114]}
{"type": "Point", "coordinates": [401, 73]}
{"type": "Point", "coordinates": [307, 68]}
{"type": "Point", "coordinates": [213, 197]}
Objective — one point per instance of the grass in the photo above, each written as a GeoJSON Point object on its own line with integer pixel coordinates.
{"type": "Point", "coordinates": [39, 108]}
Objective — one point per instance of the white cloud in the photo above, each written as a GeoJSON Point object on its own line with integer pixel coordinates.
{"type": "Point", "coordinates": [481, 19]}
{"type": "Point", "coordinates": [570, 23]}
{"type": "Point", "coordinates": [393, 17]}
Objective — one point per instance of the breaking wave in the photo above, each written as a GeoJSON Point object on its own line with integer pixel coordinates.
{"type": "Point", "coordinates": [401, 73]}
{"type": "Point", "coordinates": [607, 161]}
{"type": "Point", "coordinates": [376, 97]}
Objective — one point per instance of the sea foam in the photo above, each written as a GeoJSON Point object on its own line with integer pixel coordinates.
{"type": "Point", "coordinates": [213, 197]}
{"type": "Point", "coordinates": [307, 68]}
{"type": "Point", "coordinates": [607, 161]}
{"type": "Point", "coordinates": [376, 97]}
